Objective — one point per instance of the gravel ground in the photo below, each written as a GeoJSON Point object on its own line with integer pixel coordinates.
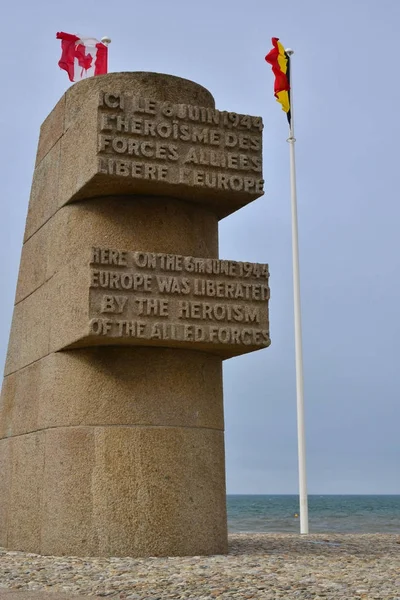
{"type": "Point", "coordinates": [258, 566]}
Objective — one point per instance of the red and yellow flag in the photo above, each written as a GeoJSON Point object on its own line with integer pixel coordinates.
{"type": "Point", "coordinates": [280, 62]}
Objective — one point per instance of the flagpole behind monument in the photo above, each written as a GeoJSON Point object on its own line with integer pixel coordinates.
{"type": "Point", "coordinates": [301, 441]}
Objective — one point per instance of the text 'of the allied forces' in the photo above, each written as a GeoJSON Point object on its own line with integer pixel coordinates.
{"type": "Point", "coordinates": [173, 298]}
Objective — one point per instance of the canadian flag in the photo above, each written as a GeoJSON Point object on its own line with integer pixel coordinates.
{"type": "Point", "coordinates": [82, 57]}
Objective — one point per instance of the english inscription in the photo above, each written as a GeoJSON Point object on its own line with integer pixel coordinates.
{"type": "Point", "coordinates": [168, 299]}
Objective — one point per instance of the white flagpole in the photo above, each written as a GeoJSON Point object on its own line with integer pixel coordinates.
{"type": "Point", "coordinates": [301, 441]}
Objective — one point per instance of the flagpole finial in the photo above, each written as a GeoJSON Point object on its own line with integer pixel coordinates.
{"type": "Point", "coordinates": [106, 40]}
{"type": "Point", "coordinates": [289, 51]}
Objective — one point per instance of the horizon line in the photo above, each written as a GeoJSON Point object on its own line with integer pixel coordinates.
{"type": "Point", "coordinates": [314, 494]}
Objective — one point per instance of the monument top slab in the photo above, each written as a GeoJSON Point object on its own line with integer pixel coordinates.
{"type": "Point", "coordinates": [125, 134]}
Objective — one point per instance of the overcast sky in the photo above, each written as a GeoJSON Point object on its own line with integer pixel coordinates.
{"type": "Point", "coordinates": [346, 92]}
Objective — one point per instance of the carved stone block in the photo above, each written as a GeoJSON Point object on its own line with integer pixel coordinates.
{"type": "Point", "coordinates": [111, 412]}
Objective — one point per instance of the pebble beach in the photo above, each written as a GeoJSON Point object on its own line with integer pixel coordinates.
{"type": "Point", "coordinates": [264, 566]}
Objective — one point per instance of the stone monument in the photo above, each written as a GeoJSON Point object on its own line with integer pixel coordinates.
{"type": "Point", "coordinates": [111, 414]}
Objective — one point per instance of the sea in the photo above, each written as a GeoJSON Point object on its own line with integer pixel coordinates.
{"type": "Point", "coordinates": [327, 514]}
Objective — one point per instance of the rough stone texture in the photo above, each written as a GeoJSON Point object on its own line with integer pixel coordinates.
{"type": "Point", "coordinates": [117, 491]}
{"type": "Point", "coordinates": [5, 487]}
{"type": "Point", "coordinates": [186, 390]}
{"type": "Point", "coordinates": [78, 152]}
{"type": "Point", "coordinates": [51, 130]}
{"type": "Point", "coordinates": [71, 461]}
{"type": "Point", "coordinates": [26, 490]}
{"type": "Point", "coordinates": [112, 450]}
{"type": "Point", "coordinates": [50, 318]}
{"type": "Point", "coordinates": [20, 400]}
{"type": "Point", "coordinates": [43, 202]}
{"type": "Point", "coordinates": [29, 335]}
{"type": "Point", "coordinates": [137, 485]}
{"type": "Point", "coordinates": [147, 224]}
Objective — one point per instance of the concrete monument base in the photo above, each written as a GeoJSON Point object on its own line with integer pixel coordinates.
{"type": "Point", "coordinates": [102, 463]}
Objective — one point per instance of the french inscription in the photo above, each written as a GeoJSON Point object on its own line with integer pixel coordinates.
{"type": "Point", "coordinates": [173, 299]}
{"type": "Point", "coordinates": [194, 146]}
